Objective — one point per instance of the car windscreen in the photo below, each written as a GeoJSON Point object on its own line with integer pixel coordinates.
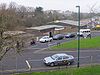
{"type": "Point", "coordinates": [44, 37]}
{"type": "Point", "coordinates": [58, 35]}
{"type": "Point", "coordinates": [69, 34]}
{"type": "Point", "coordinates": [54, 57]}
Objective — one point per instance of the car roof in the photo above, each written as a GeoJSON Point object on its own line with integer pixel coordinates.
{"type": "Point", "coordinates": [61, 54]}
{"type": "Point", "coordinates": [57, 35]}
{"type": "Point", "coordinates": [70, 33]}
{"type": "Point", "coordinates": [45, 36]}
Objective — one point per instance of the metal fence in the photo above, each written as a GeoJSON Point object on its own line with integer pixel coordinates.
{"type": "Point", "coordinates": [38, 65]}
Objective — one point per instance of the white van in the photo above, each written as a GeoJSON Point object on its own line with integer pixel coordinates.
{"type": "Point", "coordinates": [84, 32]}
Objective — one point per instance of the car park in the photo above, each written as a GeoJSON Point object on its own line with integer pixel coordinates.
{"type": "Point", "coordinates": [58, 59]}
{"type": "Point", "coordinates": [58, 37]}
{"type": "Point", "coordinates": [45, 39]}
{"type": "Point", "coordinates": [69, 35]}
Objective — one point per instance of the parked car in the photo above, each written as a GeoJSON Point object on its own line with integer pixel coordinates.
{"type": "Point", "coordinates": [70, 35]}
{"type": "Point", "coordinates": [45, 39]}
{"type": "Point", "coordinates": [84, 33]}
{"type": "Point", "coordinates": [79, 34]}
{"type": "Point", "coordinates": [59, 59]}
{"type": "Point", "coordinates": [58, 37]}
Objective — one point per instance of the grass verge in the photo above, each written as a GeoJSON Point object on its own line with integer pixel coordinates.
{"type": "Point", "coordinates": [90, 70]}
{"type": "Point", "coordinates": [84, 44]}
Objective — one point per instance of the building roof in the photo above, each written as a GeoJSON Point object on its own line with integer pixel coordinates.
{"type": "Point", "coordinates": [14, 32]}
{"type": "Point", "coordinates": [71, 22]}
{"type": "Point", "coordinates": [45, 27]}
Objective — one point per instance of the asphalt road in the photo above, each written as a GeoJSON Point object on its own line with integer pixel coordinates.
{"type": "Point", "coordinates": [35, 60]}
{"type": "Point", "coordinates": [15, 62]}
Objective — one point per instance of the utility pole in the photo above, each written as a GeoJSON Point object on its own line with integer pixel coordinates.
{"type": "Point", "coordinates": [78, 47]}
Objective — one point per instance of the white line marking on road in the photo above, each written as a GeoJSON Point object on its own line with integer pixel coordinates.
{"type": "Point", "coordinates": [39, 50]}
{"type": "Point", "coordinates": [44, 52]}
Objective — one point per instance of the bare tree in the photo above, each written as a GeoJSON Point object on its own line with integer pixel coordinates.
{"type": "Point", "coordinates": [10, 42]}
{"type": "Point", "coordinates": [92, 11]}
{"type": "Point", "coordinates": [92, 14]}
{"type": "Point", "coordinates": [7, 42]}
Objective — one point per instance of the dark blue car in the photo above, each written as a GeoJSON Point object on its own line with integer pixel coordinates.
{"type": "Point", "coordinates": [70, 35]}
{"type": "Point", "coordinates": [58, 37]}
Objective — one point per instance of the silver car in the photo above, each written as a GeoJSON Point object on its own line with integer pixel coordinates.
{"type": "Point", "coordinates": [59, 59]}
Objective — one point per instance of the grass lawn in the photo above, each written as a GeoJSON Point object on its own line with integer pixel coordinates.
{"type": "Point", "coordinates": [84, 44]}
{"type": "Point", "coordinates": [90, 70]}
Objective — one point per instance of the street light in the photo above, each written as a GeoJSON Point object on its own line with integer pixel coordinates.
{"type": "Point", "coordinates": [78, 47]}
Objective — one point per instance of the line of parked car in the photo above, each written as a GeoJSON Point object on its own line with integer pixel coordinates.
{"type": "Point", "coordinates": [56, 37]}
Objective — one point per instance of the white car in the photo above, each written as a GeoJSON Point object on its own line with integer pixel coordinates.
{"type": "Point", "coordinates": [84, 32]}
{"type": "Point", "coordinates": [46, 39]}
{"type": "Point", "coordinates": [59, 59]}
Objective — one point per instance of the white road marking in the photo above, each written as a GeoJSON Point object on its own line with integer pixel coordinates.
{"type": "Point", "coordinates": [39, 50]}
{"type": "Point", "coordinates": [44, 52]}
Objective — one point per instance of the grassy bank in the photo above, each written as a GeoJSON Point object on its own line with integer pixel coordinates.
{"type": "Point", "coordinates": [90, 70]}
{"type": "Point", "coordinates": [84, 44]}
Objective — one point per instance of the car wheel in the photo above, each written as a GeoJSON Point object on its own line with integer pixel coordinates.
{"type": "Point", "coordinates": [52, 64]}
{"type": "Point", "coordinates": [69, 63]}
{"type": "Point", "coordinates": [50, 40]}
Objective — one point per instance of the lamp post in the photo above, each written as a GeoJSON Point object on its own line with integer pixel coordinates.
{"type": "Point", "coordinates": [78, 47]}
